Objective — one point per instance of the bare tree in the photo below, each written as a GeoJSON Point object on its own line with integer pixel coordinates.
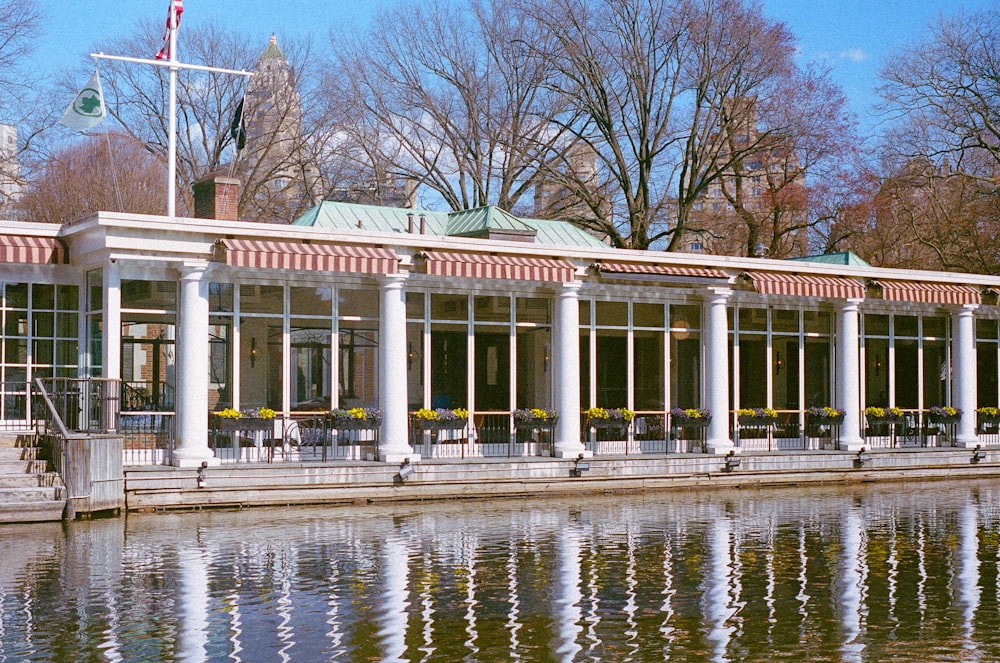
{"type": "Point", "coordinates": [137, 98]}
{"type": "Point", "coordinates": [105, 172]}
{"type": "Point", "coordinates": [946, 88]}
{"type": "Point", "coordinates": [20, 22]}
{"type": "Point", "coordinates": [451, 98]}
{"type": "Point", "coordinates": [675, 96]}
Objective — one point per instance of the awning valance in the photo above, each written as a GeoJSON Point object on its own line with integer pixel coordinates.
{"type": "Point", "coordinates": [799, 285]}
{"type": "Point", "coordinates": [30, 250]}
{"type": "Point", "coordinates": [929, 293]}
{"type": "Point", "coordinates": [664, 273]}
{"type": "Point", "coordinates": [266, 254]}
{"type": "Point", "coordinates": [487, 266]}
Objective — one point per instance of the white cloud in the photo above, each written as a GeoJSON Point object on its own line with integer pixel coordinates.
{"type": "Point", "coordinates": [853, 54]}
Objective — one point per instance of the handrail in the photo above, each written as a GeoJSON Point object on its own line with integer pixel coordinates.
{"type": "Point", "coordinates": [52, 408]}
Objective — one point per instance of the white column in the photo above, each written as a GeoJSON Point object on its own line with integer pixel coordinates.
{"type": "Point", "coordinates": [191, 448]}
{"type": "Point", "coordinates": [717, 371]}
{"type": "Point", "coordinates": [848, 371]}
{"type": "Point", "coordinates": [964, 377]}
{"type": "Point", "coordinates": [111, 349]}
{"type": "Point", "coordinates": [394, 443]}
{"type": "Point", "coordinates": [566, 370]}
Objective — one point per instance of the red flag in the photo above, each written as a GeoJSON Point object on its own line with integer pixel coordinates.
{"type": "Point", "coordinates": [176, 8]}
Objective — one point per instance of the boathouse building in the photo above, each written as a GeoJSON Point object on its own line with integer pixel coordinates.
{"type": "Point", "coordinates": [402, 310]}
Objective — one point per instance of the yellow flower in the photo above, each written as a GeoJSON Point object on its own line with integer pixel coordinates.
{"type": "Point", "coordinates": [426, 415]}
{"type": "Point", "coordinates": [230, 413]}
{"type": "Point", "coordinates": [461, 413]}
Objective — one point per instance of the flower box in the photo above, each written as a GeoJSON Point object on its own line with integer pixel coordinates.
{"type": "Point", "coordinates": [813, 420]}
{"type": "Point", "coordinates": [944, 419]}
{"type": "Point", "coordinates": [245, 425]}
{"type": "Point", "coordinates": [442, 424]}
{"type": "Point", "coordinates": [350, 423]}
{"type": "Point", "coordinates": [755, 421]}
{"type": "Point", "coordinates": [536, 424]}
{"type": "Point", "coordinates": [607, 424]}
{"type": "Point", "coordinates": [690, 422]}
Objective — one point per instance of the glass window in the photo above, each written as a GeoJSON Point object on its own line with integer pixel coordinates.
{"type": "Point", "coordinates": [985, 329]}
{"type": "Point", "coordinates": [311, 301]}
{"type": "Point", "coordinates": [647, 315]}
{"type": "Point", "coordinates": [449, 365]}
{"type": "Point", "coordinates": [537, 310]}
{"type": "Point", "coordinates": [449, 307]}
{"type": "Point", "coordinates": [905, 325]}
{"type": "Point", "coordinates": [784, 321]}
{"type": "Point", "coordinates": [612, 314]}
{"type": "Point", "coordinates": [753, 319]}
{"type": "Point", "coordinates": [491, 309]}
{"type": "Point", "coordinates": [612, 360]}
{"type": "Point", "coordinates": [876, 325]}
{"type": "Point", "coordinates": [43, 296]}
{"type": "Point", "coordinates": [262, 299]}
{"type": "Point", "coordinates": [359, 303]}
{"type": "Point", "coordinates": [685, 369]}
{"type": "Point", "coordinates": [816, 322]}
{"type": "Point", "coordinates": [95, 290]}
{"type": "Point", "coordinates": [415, 305]}
{"type": "Point", "coordinates": [685, 317]}
{"type": "Point", "coordinates": [648, 373]}
{"type": "Point", "coordinates": [311, 349]}
{"type": "Point", "coordinates": [154, 295]}
{"type": "Point", "coordinates": [358, 365]}
{"type": "Point", "coordinates": [906, 376]}
{"type": "Point", "coordinates": [220, 297]}
{"type": "Point", "coordinates": [986, 372]}
{"type": "Point", "coordinates": [935, 373]}
{"type": "Point", "coordinates": [534, 367]}
{"type": "Point", "coordinates": [876, 372]}
{"type": "Point", "coordinates": [585, 312]}
{"type": "Point", "coordinates": [68, 297]}
{"type": "Point", "coordinates": [936, 327]}
{"type": "Point", "coordinates": [492, 369]}
{"type": "Point", "coordinates": [785, 372]}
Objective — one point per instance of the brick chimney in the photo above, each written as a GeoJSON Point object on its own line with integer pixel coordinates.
{"type": "Point", "coordinates": [217, 197]}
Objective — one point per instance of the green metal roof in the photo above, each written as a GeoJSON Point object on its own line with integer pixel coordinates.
{"type": "Point", "coordinates": [847, 258]}
{"type": "Point", "coordinates": [491, 217]}
{"type": "Point", "coordinates": [272, 50]}
{"type": "Point", "coordinates": [373, 218]}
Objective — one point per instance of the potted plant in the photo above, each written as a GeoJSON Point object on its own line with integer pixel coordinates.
{"type": "Point", "coordinates": [690, 418]}
{"type": "Point", "coordinates": [824, 416]}
{"type": "Point", "coordinates": [944, 414]}
{"type": "Point", "coordinates": [356, 418]}
{"type": "Point", "coordinates": [757, 416]}
{"type": "Point", "coordinates": [532, 418]}
{"type": "Point", "coordinates": [987, 419]}
{"type": "Point", "coordinates": [249, 420]}
{"type": "Point", "coordinates": [619, 417]}
{"type": "Point", "coordinates": [442, 418]}
{"type": "Point", "coordinates": [884, 415]}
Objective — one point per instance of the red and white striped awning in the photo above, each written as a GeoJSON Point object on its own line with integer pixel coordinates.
{"type": "Point", "coordinates": [32, 250]}
{"type": "Point", "coordinates": [929, 293]}
{"type": "Point", "coordinates": [799, 285]}
{"type": "Point", "coordinates": [266, 254]}
{"type": "Point", "coordinates": [486, 266]}
{"type": "Point", "coordinates": [659, 272]}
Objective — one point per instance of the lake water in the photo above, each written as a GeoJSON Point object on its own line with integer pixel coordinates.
{"type": "Point", "coordinates": [897, 572]}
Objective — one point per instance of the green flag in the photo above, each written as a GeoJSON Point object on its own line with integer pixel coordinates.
{"type": "Point", "coordinates": [87, 109]}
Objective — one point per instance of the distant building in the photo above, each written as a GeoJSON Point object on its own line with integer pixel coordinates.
{"type": "Point", "coordinates": [10, 170]}
{"type": "Point", "coordinates": [768, 182]}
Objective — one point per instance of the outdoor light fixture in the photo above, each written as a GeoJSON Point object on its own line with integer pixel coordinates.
{"type": "Point", "coordinates": [978, 454]}
{"type": "Point", "coordinates": [406, 470]}
{"type": "Point", "coordinates": [778, 363]}
{"type": "Point", "coordinates": [253, 351]}
{"type": "Point", "coordinates": [760, 251]}
{"type": "Point", "coordinates": [201, 473]}
{"type": "Point", "coordinates": [862, 458]}
{"type": "Point", "coordinates": [579, 467]}
{"type": "Point", "coordinates": [732, 462]}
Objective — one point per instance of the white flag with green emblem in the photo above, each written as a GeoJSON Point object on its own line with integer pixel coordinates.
{"type": "Point", "coordinates": [87, 109]}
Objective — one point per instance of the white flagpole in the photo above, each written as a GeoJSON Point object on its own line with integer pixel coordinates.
{"type": "Point", "coordinates": [172, 141]}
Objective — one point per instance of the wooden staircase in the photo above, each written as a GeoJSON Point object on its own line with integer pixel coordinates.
{"type": "Point", "coordinates": [30, 490]}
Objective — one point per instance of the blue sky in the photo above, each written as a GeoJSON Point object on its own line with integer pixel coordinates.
{"type": "Point", "coordinates": [851, 36]}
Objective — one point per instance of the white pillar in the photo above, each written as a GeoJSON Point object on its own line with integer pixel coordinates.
{"type": "Point", "coordinates": [717, 371]}
{"type": "Point", "coordinates": [191, 448]}
{"type": "Point", "coordinates": [111, 349]}
{"type": "Point", "coordinates": [566, 370]}
{"type": "Point", "coordinates": [848, 372]}
{"type": "Point", "coordinates": [394, 442]}
{"type": "Point", "coordinates": [965, 382]}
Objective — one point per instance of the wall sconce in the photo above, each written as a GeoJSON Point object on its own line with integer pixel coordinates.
{"type": "Point", "coordinates": [878, 364]}
{"type": "Point", "coordinates": [253, 351]}
{"type": "Point", "coordinates": [411, 354]}
{"type": "Point", "coordinates": [777, 363]}
{"type": "Point", "coordinates": [545, 360]}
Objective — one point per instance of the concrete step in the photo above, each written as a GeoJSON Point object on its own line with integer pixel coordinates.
{"type": "Point", "coordinates": [31, 512]}
{"type": "Point", "coordinates": [18, 453]}
{"type": "Point", "coordinates": [17, 439]}
{"type": "Point", "coordinates": [33, 480]}
{"type": "Point", "coordinates": [31, 494]}
{"type": "Point", "coordinates": [19, 467]}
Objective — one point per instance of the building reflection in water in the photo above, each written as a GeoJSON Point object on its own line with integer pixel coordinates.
{"type": "Point", "coordinates": [892, 572]}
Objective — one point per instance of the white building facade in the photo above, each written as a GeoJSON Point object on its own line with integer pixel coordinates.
{"type": "Point", "coordinates": [398, 310]}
